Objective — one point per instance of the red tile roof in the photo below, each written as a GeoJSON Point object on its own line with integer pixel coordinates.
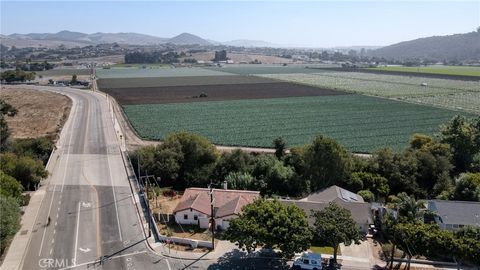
{"type": "Point", "coordinates": [227, 202]}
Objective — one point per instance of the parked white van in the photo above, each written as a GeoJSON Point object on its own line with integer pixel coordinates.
{"type": "Point", "coordinates": [308, 260]}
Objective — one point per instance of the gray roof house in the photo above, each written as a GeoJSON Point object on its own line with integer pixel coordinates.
{"type": "Point", "coordinates": [334, 194]}
{"type": "Point", "coordinates": [453, 215]}
{"type": "Point", "coordinates": [360, 210]}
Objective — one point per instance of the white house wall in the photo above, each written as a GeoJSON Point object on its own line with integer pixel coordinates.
{"type": "Point", "coordinates": [190, 217]}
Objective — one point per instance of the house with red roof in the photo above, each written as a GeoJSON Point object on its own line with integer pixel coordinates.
{"type": "Point", "coordinates": [194, 208]}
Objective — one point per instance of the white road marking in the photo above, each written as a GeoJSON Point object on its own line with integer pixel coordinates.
{"type": "Point", "coordinates": [45, 229]}
{"type": "Point", "coordinates": [114, 197]}
{"type": "Point", "coordinates": [64, 175]}
{"type": "Point", "coordinates": [54, 230]}
{"type": "Point", "coordinates": [76, 236]}
{"type": "Point", "coordinates": [110, 258]}
{"type": "Point", "coordinates": [51, 251]}
{"type": "Point", "coordinates": [84, 250]}
{"type": "Point", "coordinates": [53, 241]}
{"type": "Point", "coordinates": [168, 264]}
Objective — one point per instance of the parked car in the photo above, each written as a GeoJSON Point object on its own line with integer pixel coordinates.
{"type": "Point", "coordinates": [308, 260]}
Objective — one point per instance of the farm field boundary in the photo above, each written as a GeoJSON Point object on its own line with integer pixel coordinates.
{"type": "Point", "coordinates": [179, 81]}
{"type": "Point", "coordinates": [156, 72]}
{"type": "Point", "coordinates": [401, 73]}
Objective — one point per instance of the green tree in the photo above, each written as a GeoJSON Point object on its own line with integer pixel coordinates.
{"type": "Point", "coordinates": [467, 245]}
{"type": "Point", "coordinates": [423, 240]}
{"type": "Point", "coordinates": [280, 145]}
{"type": "Point", "coordinates": [434, 164]}
{"type": "Point", "coordinates": [375, 183]}
{"type": "Point", "coordinates": [184, 160]}
{"type": "Point", "coordinates": [5, 109]}
{"type": "Point", "coordinates": [27, 170]}
{"type": "Point", "coordinates": [326, 163]}
{"type": "Point", "coordinates": [4, 132]}
{"type": "Point", "coordinates": [235, 161]}
{"type": "Point", "coordinates": [367, 195]}
{"type": "Point", "coordinates": [10, 221]}
{"type": "Point", "coordinates": [240, 181]}
{"type": "Point", "coordinates": [408, 209]}
{"type": "Point", "coordinates": [270, 224]}
{"type": "Point", "coordinates": [467, 187]}
{"type": "Point", "coordinates": [39, 148]}
{"type": "Point", "coordinates": [274, 176]}
{"type": "Point", "coordinates": [199, 157]}
{"type": "Point", "coordinates": [400, 169]}
{"type": "Point", "coordinates": [463, 136]}
{"type": "Point", "coordinates": [10, 187]}
{"type": "Point", "coordinates": [334, 225]}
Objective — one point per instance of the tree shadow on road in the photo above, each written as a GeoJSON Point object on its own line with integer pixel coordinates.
{"type": "Point", "coordinates": [238, 259]}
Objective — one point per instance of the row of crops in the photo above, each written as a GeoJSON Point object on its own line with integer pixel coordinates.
{"type": "Point", "coordinates": [450, 94]}
{"type": "Point", "coordinates": [361, 123]}
{"type": "Point", "coordinates": [436, 69]}
{"type": "Point", "coordinates": [162, 72]}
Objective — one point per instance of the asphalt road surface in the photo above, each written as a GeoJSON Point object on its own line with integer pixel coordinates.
{"type": "Point", "coordinates": [88, 199]}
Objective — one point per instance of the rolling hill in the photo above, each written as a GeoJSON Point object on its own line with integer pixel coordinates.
{"type": "Point", "coordinates": [458, 47]}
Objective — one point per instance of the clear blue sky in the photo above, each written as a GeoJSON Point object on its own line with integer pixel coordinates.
{"type": "Point", "coordinates": [317, 24]}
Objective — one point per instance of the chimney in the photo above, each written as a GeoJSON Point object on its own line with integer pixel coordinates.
{"type": "Point", "coordinates": [225, 185]}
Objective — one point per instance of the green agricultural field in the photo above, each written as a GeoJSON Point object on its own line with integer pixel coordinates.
{"type": "Point", "coordinates": [450, 94]}
{"type": "Point", "coordinates": [156, 72]}
{"type": "Point", "coordinates": [250, 69]}
{"type": "Point", "coordinates": [361, 123]}
{"type": "Point", "coordinates": [437, 69]}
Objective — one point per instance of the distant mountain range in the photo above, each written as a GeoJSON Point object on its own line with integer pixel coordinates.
{"type": "Point", "coordinates": [81, 39]}
{"type": "Point", "coordinates": [458, 47]}
{"type": "Point", "coordinates": [453, 47]}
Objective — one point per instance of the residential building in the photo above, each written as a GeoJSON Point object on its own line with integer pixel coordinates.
{"type": "Point", "coordinates": [360, 210]}
{"type": "Point", "coordinates": [194, 207]}
{"type": "Point", "coordinates": [454, 215]}
{"type": "Point", "coordinates": [334, 194]}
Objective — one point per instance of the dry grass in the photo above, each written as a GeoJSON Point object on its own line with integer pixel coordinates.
{"type": "Point", "coordinates": [40, 113]}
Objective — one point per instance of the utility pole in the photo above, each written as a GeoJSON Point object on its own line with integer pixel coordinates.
{"type": "Point", "coordinates": [212, 218]}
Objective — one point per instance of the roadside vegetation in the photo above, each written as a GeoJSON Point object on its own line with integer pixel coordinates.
{"type": "Point", "coordinates": [22, 166]}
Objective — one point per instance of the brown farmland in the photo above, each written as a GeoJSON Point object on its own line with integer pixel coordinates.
{"type": "Point", "coordinates": [191, 93]}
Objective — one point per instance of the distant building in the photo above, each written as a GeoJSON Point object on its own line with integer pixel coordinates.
{"type": "Point", "coordinates": [195, 209]}
{"type": "Point", "coordinates": [454, 215]}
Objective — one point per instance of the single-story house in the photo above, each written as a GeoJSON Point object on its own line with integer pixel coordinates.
{"type": "Point", "coordinates": [194, 207]}
{"type": "Point", "coordinates": [453, 215]}
{"type": "Point", "coordinates": [360, 210]}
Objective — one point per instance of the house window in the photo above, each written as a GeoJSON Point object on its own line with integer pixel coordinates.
{"type": "Point", "coordinates": [195, 217]}
{"type": "Point", "coordinates": [185, 216]}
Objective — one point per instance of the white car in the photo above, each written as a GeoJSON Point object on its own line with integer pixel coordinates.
{"type": "Point", "coordinates": [308, 260]}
